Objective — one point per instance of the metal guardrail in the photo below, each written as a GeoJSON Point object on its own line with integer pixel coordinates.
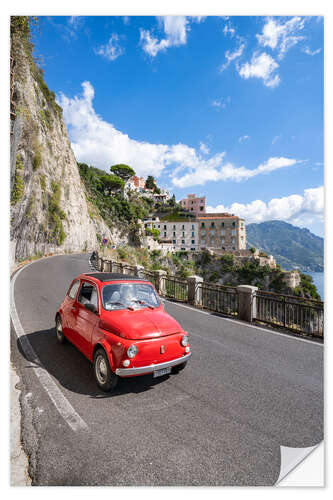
{"type": "Point", "coordinates": [217, 298]}
{"type": "Point", "coordinates": [300, 315]}
{"type": "Point", "coordinates": [175, 288]}
{"type": "Point", "coordinates": [149, 276]}
{"type": "Point", "coordinates": [294, 313]}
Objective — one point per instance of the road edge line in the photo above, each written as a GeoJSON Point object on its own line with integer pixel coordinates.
{"type": "Point", "coordinates": [65, 409]}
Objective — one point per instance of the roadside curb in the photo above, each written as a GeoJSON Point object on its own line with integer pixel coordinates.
{"type": "Point", "coordinates": [18, 459]}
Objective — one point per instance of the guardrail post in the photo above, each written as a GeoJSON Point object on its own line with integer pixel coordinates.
{"type": "Point", "coordinates": [247, 302]}
{"type": "Point", "coordinates": [138, 270]}
{"type": "Point", "coordinates": [123, 266]}
{"type": "Point", "coordinates": [107, 265]}
{"type": "Point", "coordinates": [160, 281]}
{"type": "Point", "coordinates": [194, 291]}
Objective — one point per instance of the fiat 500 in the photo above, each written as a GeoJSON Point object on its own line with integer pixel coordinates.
{"type": "Point", "coordinates": [119, 323]}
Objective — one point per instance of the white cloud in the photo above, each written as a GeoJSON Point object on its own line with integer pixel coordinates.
{"type": "Point", "coordinates": [276, 138]}
{"type": "Point", "coordinates": [112, 50]}
{"type": "Point", "coordinates": [310, 52]}
{"type": "Point", "coordinates": [215, 170]}
{"type": "Point", "coordinates": [204, 148]}
{"type": "Point", "coordinates": [97, 142]}
{"type": "Point", "coordinates": [261, 66]}
{"type": "Point", "coordinates": [232, 56]}
{"type": "Point", "coordinates": [220, 103]}
{"type": "Point", "coordinates": [243, 138]}
{"type": "Point", "coordinates": [280, 35]}
{"type": "Point", "coordinates": [229, 30]}
{"type": "Point", "coordinates": [175, 29]}
{"type": "Point", "coordinates": [297, 209]}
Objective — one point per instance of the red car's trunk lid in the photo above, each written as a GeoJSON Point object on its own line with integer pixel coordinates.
{"type": "Point", "coordinates": [140, 324]}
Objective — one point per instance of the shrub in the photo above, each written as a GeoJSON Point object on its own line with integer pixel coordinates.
{"type": "Point", "coordinates": [18, 186]}
{"type": "Point", "coordinates": [37, 160]}
{"type": "Point", "coordinates": [227, 262]}
{"type": "Point", "coordinates": [252, 250]}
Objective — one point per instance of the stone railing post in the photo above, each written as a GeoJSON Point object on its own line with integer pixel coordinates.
{"type": "Point", "coordinates": [160, 281]}
{"type": "Point", "coordinates": [247, 302]}
{"type": "Point", "coordinates": [194, 291]}
{"type": "Point", "coordinates": [138, 270]}
{"type": "Point", "coordinates": [123, 266]}
{"type": "Point", "coordinates": [99, 263]}
{"type": "Point", "coordinates": [107, 266]}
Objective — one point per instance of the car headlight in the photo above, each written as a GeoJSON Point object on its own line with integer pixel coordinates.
{"type": "Point", "coordinates": [132, 351]}
{"type": "Point", "coordinates": [184, 341]}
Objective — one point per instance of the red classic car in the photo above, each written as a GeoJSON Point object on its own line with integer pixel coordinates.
{"type": "Point", "coordinates": [118, 322]}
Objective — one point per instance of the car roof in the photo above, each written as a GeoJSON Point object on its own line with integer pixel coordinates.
{"type": "Point", "coordinates": [113, 277]}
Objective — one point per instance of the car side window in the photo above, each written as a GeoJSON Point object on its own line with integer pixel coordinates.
{"type": "Point", "coordinates": [88, 294]}
{"type": "Point", "coordinates": [73, 290]}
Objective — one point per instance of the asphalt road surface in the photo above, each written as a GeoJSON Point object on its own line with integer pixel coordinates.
{"type": "Point", "coordinates": [221, 421]}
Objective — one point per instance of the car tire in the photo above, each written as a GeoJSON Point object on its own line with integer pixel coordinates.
{"type": "Point", "coordinates": [59, 332]}
{"type": "Point", "coordinates": [104, 376]}
{"type": "Point", "coordinates": [178, 368]}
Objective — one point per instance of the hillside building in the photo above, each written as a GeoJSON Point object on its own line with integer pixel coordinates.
{"type": "Point", "coordinates": [195, 204]}
{"type": "Point", "coordinates": [212, 231]}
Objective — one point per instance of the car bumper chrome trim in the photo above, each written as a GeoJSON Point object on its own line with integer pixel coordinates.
{"type": "Point", "coordinates": [140, 370]}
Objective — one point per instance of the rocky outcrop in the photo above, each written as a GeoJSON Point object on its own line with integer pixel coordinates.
{"type": "Point", "coordinates": [50, 212]}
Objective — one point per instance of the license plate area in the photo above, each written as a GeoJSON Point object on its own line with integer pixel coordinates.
{"type": "Point", "coordinates": [161, 372]}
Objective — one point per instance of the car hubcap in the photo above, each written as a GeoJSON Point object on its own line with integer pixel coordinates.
{"type": "Point", "coordinates": [101, 369]}
{"type": "Point", "coordinates": [59, 329]}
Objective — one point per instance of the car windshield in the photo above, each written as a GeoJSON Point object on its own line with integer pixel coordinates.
{"type": "Point", "coordinates": [129, 296]}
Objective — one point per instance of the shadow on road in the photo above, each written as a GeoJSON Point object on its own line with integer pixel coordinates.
{"type": "Point", "coordinates": [73, 370]}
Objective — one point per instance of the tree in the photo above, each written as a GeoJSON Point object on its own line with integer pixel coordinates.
{"type": "Point", "coordinates": [112, 183]}
{"type": "Point", "coordinates": [150, 183]}
{"type": "Point", "coordinates": [123, 171]}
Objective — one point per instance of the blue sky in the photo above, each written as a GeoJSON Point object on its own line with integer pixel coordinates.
{"type": "Point", "coordinates": [227, 107]}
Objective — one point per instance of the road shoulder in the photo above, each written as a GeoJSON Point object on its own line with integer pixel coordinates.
{"type": "Point", "coordinates": [18, 460]}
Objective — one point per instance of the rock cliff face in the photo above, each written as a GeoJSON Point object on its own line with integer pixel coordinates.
{"type": "Point", "coordinates": [49, 209]}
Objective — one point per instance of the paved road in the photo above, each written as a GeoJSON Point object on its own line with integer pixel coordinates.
{"type": "Point", "coordinates": [221, 421]}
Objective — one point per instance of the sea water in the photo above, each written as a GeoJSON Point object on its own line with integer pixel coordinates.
{"type": "Point", "coordinates": [318, 280]}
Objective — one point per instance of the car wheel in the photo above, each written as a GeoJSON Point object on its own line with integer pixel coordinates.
{"type": "Point", "coordinates": [105, 378]}
{"type": "Point", "coordinates": [59, 333]}
{"type": "Point", "coordinates": [178, 368]}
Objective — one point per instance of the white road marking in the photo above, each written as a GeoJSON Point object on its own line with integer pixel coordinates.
{"type": "Point", "coordinates": [284, 335]}
{"type": "Point", "coordinates": [61, 403]}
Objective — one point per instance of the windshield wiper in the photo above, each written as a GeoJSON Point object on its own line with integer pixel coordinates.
{"type": "Point", "coordinates": [143, 303]}
{"type": "Point", "coordinates": [120, 304]}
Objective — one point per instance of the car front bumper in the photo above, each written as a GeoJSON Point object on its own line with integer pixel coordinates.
{"type": "Point", "coordinates": [143, 370]}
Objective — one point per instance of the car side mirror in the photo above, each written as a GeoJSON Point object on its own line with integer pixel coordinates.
{"type": "Point", "coordinates": [91, 307]}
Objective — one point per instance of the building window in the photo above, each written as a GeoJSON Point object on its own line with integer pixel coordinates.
{"type": "Point", "coordinates": [183, 242]}
{"type": "Point", "coordinates": [174, 227]}
{"type": "Point", "coordinates": [233, 224]}
{"type": "Point", "coordinates": [192, 249]}
{"type": "Point", "coordinates": [183, 234]}
{"type": "Point", "coordinates": [203, 242]}
{"type": "Point", "coordinates": [201, 209]}
{"type": "Point", "coordinates": [222, 224]}
{"type": "Point", "coordinates": [223, 232]}
{"type": "Point", "coordinates": [212, 224]}
{"type": "Point", "coordinates": [233, 248]}
{"type": "Point", "coordinates": [202, 224]}
{"type": "Point", "coordinates": [183, 227]}
{"type": "Point", "coordinates": [183, 248]}
{"type": "Point", "coordinates": [192, 226]}
{"type": "Point", "coordinates": [158, 226]}
{"type": "Point", "coordinates": [165, 226]}
{"type": "Point", "coordinates": [174, 242]}
{"type": "Point", "coordinates": [164, 234]}
{"type": "Point", "coordinates": [233, 232]}
{"type": "Point", "coordinates": [174, 233]}
{"type": "Point", "coordinates": [212, 232]}
{"type": "Point", "coordinates": [192, 233]}
{"type": "Point", "coordinates": [222, 241]}
{"type": "Point", "coordinates": [193, 242]}
{"type": "Point", "coordinates": [233, 241]}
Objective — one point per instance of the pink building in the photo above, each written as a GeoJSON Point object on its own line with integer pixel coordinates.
{"type": "Point", "coordinates": [195, 204]}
